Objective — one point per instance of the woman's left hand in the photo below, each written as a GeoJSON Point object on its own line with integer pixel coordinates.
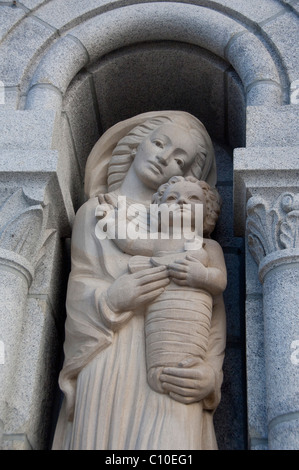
{"type": "Point", "coordinates": [188, 383]}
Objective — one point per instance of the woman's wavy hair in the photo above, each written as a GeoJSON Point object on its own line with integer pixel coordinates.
{"type": "Point", "coordinates": [212, 199]}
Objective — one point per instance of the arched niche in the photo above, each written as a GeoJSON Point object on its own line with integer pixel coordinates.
{"type": "Point", "coordinates": [153, 56]}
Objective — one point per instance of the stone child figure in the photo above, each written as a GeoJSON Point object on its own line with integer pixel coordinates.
{"type": "Point", "coordinates": [177, 323]}
{"type": "Point", "coordinates": [108, 403]}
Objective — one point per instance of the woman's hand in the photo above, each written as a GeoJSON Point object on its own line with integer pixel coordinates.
{"type": "Point", "coordinates": [188, 383]}
{"type": "Point", "coordinates": [130, 291]}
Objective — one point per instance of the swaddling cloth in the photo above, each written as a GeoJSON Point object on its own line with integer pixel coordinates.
{"type": "Point", "coordinates": [177, 324]}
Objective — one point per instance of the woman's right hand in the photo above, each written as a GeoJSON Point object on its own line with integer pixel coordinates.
{"type": "Point", "coordinates": [130, 291]}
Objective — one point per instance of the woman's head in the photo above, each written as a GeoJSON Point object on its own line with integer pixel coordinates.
{"type": "Point", "coordinates": [113, 154]}
{"type": "Point", "coordinates": [189, 190]}
{"type": "Point", "coordinates": [158, 149]}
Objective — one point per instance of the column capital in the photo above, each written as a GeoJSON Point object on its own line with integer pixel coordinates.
{"type": "Point", "coordinates": [265, 172]}
{"type": "Point", "coordinates": [23, 225]}
{"type": "Point", "coordinates": [268, 165]}
{"type": "Point", "coordinates": [273, 230]}
{"type": "Point", "coordinates": [9, 260]}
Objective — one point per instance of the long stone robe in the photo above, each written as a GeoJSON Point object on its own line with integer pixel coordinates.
{"type": "Point", "coordinates": [108, 403]}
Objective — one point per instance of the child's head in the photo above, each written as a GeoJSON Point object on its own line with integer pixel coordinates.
{"type": "Point", "coordinates": [189, 190]}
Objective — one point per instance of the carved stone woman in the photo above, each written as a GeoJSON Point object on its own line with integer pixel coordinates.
{"type": "Point", "coordinates": [108, 403]}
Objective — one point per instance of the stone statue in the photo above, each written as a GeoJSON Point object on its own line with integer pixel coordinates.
{"type": "Point", "coordinates": [110, 400]}
{"type": "Point", "coordinates": [177, 322]}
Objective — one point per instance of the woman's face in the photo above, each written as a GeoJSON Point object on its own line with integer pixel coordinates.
{"type": "Point", "coordinates": [168, 151]}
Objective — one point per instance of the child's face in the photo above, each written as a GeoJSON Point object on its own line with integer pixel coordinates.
{"type": "Point", "coordinates": [186, 195]}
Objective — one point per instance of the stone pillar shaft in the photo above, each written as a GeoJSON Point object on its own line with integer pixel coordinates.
{"type": "Point", "coordinates": [280, 277]}
{"type": "Point", "coordinates": [274, 243]}
{"type": "Point", "coordinates": [16, 276]}
{"type": "Point", "coordinates": [22, 227]}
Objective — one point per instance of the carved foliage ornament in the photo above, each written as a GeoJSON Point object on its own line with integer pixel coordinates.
{"type": "Point", "coordinates": [23, 228]}
{"type": "Point", "coordinates": [274, 227]}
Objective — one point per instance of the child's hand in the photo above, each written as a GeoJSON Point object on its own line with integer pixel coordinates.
{"type": "Point", "coordinates": [188, 272]}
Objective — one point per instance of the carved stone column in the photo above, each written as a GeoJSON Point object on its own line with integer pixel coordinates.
{"type": "Point", "coordinates": [22, 230]}
{"type": "Point", "coordinates": [273, 238]}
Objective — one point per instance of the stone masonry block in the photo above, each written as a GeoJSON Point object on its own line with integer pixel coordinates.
{"type": "Point", "coordinates": [43, 96]}
{"type": "Point", "coordinates": [28, 129]}
{"type": "Point", "coordinates": [29, 37]}
{"type": "Point", "coordinates": [15, 442]}
{"type": "Point", "coordinates": [33, 4]}
{"type": "Point", "coordinates": [272, 126]}
{"type": "Point", "coordinates": [81, 108]}
{"type": "Point", "coordinates": [66, 51]}
{"type": "Point", "coordinates": [30, 403]}
{"type": "Point", "coordinates": [265, 93]}
{"type": "Point", "coordinates": [28, 161]}
{"type": "Point", "coordinates": [255, 10]}
{"type": "Point", "coordinates": [256, 383]}
{"type": "Point", "coordinates": [288, 427]}
{"type": "Point", "coordinates": [59, 14]}
{"type": "Point", "coordinates": [36, 172]}
{"type": "Point", "coordinates": [10, 97]}
{"type": "Point", "coordinates": [281, 300]}
{"type": "Point", "coordinates": [283, 31]}
{"type": "Point", "coordinates": [251, 60]}
{"type": "Point", "coordinates": [158, 21]}
{"type": "Point", "coordinates": [9, 17]}
{"type": "Point", "coordinates": [39, 130]}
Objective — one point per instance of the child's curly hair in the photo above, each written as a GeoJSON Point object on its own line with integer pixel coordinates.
{"type": "Point", "coordinates": [212, 199]}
